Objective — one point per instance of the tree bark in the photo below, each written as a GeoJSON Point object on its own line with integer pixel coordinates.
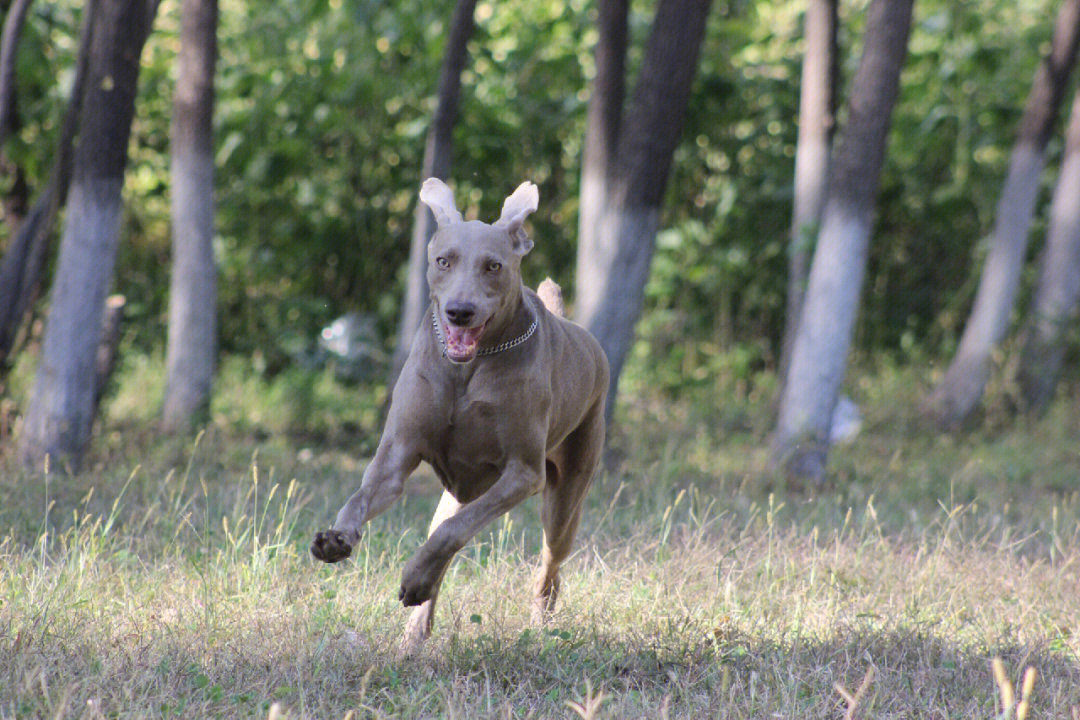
{"type": "Point", "coordinates": [819, 357]}
{"type": "Point", "coordinates": [613, 267]}
{"type": "Point", "coordinates": [961, 389]}
{"type": "Point", "coordinates": [192, 343]}
{"type": "Point", "coordinates": [20, 269]}
{"type": "Point", "coordinates": [603, 117]}
{"type": "Point", "coordinates": [60, 414]}
{"type": "Point", "coordinates": [438, 152]}
{"type": "Point", "coordinates": [817, 111]}
{"type": "Point", "coordinates": [1056, 297]}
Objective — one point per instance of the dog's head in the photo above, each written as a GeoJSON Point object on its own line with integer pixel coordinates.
{"type": "Point", "coordinates": [474, 269]}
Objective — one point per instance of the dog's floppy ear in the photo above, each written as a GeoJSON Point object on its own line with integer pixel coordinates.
{"type": "Point", "coordinates": [436, 195]}
{"type": "Point", "coordinates": [521, 203]}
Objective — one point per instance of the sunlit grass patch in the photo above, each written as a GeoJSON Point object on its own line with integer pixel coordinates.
{"type": "Point", "coordinates": [173, 579]}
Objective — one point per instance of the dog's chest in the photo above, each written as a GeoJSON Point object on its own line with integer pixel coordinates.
{"type": "Point", "coordinates": [468, 453]}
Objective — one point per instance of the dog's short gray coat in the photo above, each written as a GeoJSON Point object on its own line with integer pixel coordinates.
{"type": "Point", "coordinates": [496, 423]}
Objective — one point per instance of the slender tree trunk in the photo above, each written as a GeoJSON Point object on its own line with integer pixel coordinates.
{"type": "Point", "coordinates": [604, 117]}
{"type": "Point", "coordinates": [14, 203]}
{"type": "Point", "coordinates": [1059, 281]}
{"type": "Point", "coordinates": [961, 389]}
{"type": "Point", "coordinates": [819, 358]}
{"type": "Point", "coordinates": [613, 267]}
{"type": "Point", "coordinates": [438, 152]}
{"type": "Point", "coordinates": [60, 414]}
{"type": "Point", "coordinates": [817, 110]}
{"type": "Point", "coordinates": [192, 344]}
{"type": "Point", "coordinates": [20, 269]}
{"type": "Point", "coordinates": [9, 45]}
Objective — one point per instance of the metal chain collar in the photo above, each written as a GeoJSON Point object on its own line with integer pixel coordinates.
{"type": "Point", "coordinates": [486, 351]}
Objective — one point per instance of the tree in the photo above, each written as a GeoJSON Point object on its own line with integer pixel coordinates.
{"type": "Point", "coordinates": [438, 152]}
{"type": "Point", "coordinates": [961, 389]}
{"type": "Point", "coordinates": [9, 45]}
{"type": "Point", "coordinates": [614, 258]}
{"type": "Point", "coordinates": [1058, 290]}
{"type": "Point", "coordinates": [603, 116]}
{"type": "Point", "coordinates": [59, 416]}
{"type": "Point", "coordinates": [819, 357]}
{"type": "Point", "coordinates": [192, 340]}
{"type": "Point", "coordinates": [817, 109]}
{"type": "Point", "coordinates": [21, 267]}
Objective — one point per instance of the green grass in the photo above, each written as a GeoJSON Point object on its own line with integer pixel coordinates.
{"type": "Point", "coordinates": [172, 578]}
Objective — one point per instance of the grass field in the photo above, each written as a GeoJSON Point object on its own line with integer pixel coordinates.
{"type": "Point", "coordinates": [172, 579]}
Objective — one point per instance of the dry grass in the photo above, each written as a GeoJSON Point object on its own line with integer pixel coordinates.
{"type": "Point", "coordinates": [701, 588]}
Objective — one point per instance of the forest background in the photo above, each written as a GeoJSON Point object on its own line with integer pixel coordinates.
{"type": "Point", "coordinates": [708, 583]}
{"type": "Point", "coordinates": [320, 137]}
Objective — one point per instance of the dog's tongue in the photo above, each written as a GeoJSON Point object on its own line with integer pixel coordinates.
{"type": "Point", "coordinates": [461, 342]}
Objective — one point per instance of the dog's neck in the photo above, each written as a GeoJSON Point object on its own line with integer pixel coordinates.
{"type": "Point", "coordinates": [510, 322]}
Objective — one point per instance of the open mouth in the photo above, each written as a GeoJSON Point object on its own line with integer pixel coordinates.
{"type": "Point", "coordinates": [462, 342]}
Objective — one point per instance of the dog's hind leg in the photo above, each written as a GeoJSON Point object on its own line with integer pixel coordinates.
{"type": "Point", "coordinates": [568, 480]}
{"type": "Point", "coordinates": [418, 627]}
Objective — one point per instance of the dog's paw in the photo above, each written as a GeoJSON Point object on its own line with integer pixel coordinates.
{"type": "Point", "coordinates": [330, 546]}
{"type": "Point", "coordinates": [418, 581]}
{"type": "Point", "coordinates": [411, 596]}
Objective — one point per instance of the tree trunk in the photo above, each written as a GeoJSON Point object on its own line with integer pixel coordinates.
{"type": "Point", "coordinates": [60, 415]}
{"type": "Point", "coordinates": [819, 357]}
{"type": "Point", "coordinates": [437, 156]}
{"type": "Point", "coordinates": [20, 269]}
{"type": "Point", "coordinates": [960, 391]}
{"type": "Point", "coordinates": [9, 45]}
{"type": "Point", "coordinates": [1059, 281]}
{"type": "Point", "coordinates": [192, 344]}
{"type": "Point", "coordinates": [603, 117]}
{"type": "Point", "coordinates": [613, 267]}
{"type": "Point", "coordinates": [817, 110]}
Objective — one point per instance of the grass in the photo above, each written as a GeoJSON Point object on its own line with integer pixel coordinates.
{"type": "Point", "coordinates": [172, 578]}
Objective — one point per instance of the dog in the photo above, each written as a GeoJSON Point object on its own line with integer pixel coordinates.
{"type": "Point", "coordinates": [501, 396]}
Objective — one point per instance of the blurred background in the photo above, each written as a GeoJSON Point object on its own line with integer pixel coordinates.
{"type": "Point", "coordinates": [319, 125]}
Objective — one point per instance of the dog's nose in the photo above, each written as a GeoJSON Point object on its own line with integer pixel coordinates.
{"type": "Point", "coordinates": [460, 314]}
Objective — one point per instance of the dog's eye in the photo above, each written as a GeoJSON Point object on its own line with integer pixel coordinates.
{"type": "Point", "coordinates": [494, 267]}
{"type": "Point", "coordinates": [442, 262]}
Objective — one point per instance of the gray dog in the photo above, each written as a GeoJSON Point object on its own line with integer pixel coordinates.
{"type": "Point", "coordinates": [500, 395]}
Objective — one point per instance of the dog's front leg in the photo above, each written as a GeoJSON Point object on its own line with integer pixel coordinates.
{"type": "Point", "coordinates": [421, 575]}
{"type": "Point", "coordinates": [382, 484]}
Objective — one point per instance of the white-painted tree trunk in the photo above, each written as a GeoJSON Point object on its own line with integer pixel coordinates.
{"type": "Point", "coordinates": [1059, 281]}
{"type": "Point", "coordinates": [817, 99]}
{"type": "Point", "coordinates": [619, 229]}
{"type": "Point", "coordinates": [192, 341]}
{"type": "Point", "coordinates": [820, 350]}
{"type": "Point", "coordinates": [604, 116]}
{"type": "Point", "coordinates": [60, 415]}
{"type": "Point", "coordinates": [24, 259]}
{"type": "Point", "coordinates": [961, 389]}
{"type": "Point", "coordinates": [612, 273]}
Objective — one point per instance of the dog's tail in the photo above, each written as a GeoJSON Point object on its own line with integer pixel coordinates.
{"type": "Point", "coordinates": [551, 295]}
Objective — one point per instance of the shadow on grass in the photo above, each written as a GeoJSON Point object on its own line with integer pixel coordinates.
{"type": "Point", "coordinates": [681, 673]}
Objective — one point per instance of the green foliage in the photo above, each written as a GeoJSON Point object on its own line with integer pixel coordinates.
{"type": "Point", "coordinates": [322, 110]}
{"type": "Point", "coordinates": [964, 88]}
{"type": "Point", "coordinates": [719, 274]}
